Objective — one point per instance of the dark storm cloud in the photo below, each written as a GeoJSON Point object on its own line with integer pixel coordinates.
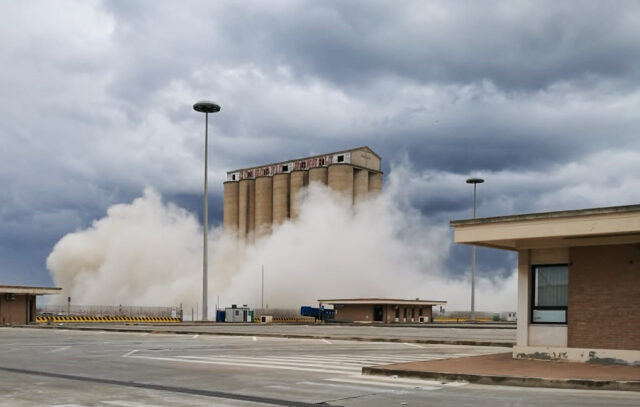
{"type": "Point", "coordinates": [540, 98]}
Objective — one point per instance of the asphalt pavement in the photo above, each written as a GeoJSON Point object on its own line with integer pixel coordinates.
{"type": "Point", "coordinates": [54, 367]}
{"type": "Point", "coordinates": [455, 335]}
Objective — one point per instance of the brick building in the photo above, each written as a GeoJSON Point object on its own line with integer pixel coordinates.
{"type": "Point", "coordinates": [382, 310]}
{"type": "Point", "coordinates": [18, 303]}
{"type": "Point", "coordinates": [578, 280]}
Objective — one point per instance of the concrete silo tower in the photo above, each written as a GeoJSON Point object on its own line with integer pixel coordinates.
{"type": "Point", "coordinates": [260, 197]}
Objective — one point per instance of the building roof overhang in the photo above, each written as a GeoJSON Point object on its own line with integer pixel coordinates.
{"type": "Point", "coordinates": [21, 289]}
{"type": "Point", "coordinates": [380, 301]}
{"type": "Point", "coordinates": [586, 227]}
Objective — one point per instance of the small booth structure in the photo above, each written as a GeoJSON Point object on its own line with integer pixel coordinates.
{"type": "Point", "coordinates": [578, 281]}
{"type": "Point", "coordinates": [382, 310]}
{"type": "Point", "coordinates": [18, 303]}
{"type": "Point", "coordinates": [236, 314]}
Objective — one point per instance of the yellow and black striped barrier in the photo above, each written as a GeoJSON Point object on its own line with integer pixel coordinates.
{"type": "Point", "coordinates": [92, 319]}
{"type": "Point", "coordinates": [465, 319]}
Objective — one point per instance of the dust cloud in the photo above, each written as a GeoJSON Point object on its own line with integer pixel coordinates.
{"type": "Point", "coordinates": [148, 252]}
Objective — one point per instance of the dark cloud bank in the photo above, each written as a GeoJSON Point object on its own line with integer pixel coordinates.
{"type": "Point", "coordinates": [539, 98]}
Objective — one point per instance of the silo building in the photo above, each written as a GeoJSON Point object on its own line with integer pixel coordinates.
{"type": "Point", "coordinates": [256, 198]}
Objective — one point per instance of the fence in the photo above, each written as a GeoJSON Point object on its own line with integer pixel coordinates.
{"type": "Point", "coordinates": [109, 311]}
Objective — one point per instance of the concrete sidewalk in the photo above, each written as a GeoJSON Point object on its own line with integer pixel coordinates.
{"type": "Point", "coordinates": [502, 369]}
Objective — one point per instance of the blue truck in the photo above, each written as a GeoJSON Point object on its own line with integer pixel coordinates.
{"type": "Point", "coordinates": [318, 313]}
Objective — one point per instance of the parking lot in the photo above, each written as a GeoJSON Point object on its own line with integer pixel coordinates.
{"type": "Point", "coordinates": [98, 368]}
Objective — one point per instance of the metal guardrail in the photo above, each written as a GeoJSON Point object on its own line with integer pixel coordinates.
{"type": "Point", "coordinates": [112, 311]}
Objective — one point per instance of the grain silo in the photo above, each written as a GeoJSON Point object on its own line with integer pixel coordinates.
{"type": "Point", "coordinates": [257, 197]}
{"type": "Point", "coordinates": [298, 180]}
{"type": "Point", "coordinates": [280, 197]}
{"type": "Point", "coordinates": [230, 209]}
{"type": "Point", "coordinates": [360, 184]}
{"type": "Point", "coordinates": [340, 178]}
{"type": "Point", "coordinates": [264, 204]}
{"type": "Point", "coordinates": [375, 183]}
{"type": "Point", "coordinates": [318, 174]}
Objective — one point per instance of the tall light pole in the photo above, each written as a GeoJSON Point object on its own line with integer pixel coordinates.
{"type": "Point", "coordinates": [475, 182]}
{"type": "Point", "coordinates": [205, 107]}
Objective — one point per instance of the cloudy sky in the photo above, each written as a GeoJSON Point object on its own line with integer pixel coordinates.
{"type": "Point", "coordinates": [539, 98]}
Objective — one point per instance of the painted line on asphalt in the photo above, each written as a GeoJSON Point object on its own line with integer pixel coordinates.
{"type": "Point", "coordinates": [382, 383]}
{"type": "Point", "coordinates": [60, 349]}
{"type": "Point", "coordinates": [415, 345]}
{"type": "Point", "coordinates": [195, 336]}
{"type": "Point", "coordinates": [255, 338]}
{"type": "Point", "coordinates": [126, 355]}
{"type": "Point", "coordinates": [326, 341]}
{"type": "Point", "coordinates": [225, 363]}
{"type": "Point", "coordinates": [173, 389]}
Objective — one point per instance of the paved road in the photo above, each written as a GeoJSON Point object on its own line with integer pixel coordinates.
{"type": "Point", "coordinates": [93, 368]}
{"type": "Point", "coordinates": [489, 334]}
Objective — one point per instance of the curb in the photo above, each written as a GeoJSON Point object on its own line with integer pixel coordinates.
{"type": "Point", "coordinates": [275, 335]}
{"type": "Point", "coordinates": [619, 385]}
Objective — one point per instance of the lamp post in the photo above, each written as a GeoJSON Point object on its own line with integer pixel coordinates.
{"type": "Point", "coordinates": [475, 182]}
{"type": "Point", "coordinates": [205, 107]}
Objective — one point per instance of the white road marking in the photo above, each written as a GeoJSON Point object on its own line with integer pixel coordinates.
{"type": "Point", "coordinates": [385, 384]}
{"type": "Point", "coordinates": [195, 336]}
{"type": "Point", "coordinates": [126, 355]}
{"type": "Point", "coordinates": [326, 341]}
{"type": "Point", "coordinates": [60, 349]}
{"type": "Point", "coordinates": [242, 360]}
{"type": "Point", "coordinates": [415, 345]}
{"type": "Point", "coordinates": [211, 362]}
{"type": "Point", "coordinates": [145, 334]}
{"type": "Point", "coordinates": [255, 338]}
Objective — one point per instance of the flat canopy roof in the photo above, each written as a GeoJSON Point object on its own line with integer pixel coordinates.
{"type": "Point", "coordinates": [373, 301]}
{"type": "Point", "coordinates": [584, 227]}
{"type": "Point", "coordinates": [23, 289]}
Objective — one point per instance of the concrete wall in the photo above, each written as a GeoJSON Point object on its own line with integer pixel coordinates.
{"type": "Point", "coordinates": [318, 174]}
{"type": "Point", "coordinates": [17, 311]}
{"type": "Point", "coordinates": [604, 292]}
{"type": "Point", "coordinates": [363, 158]}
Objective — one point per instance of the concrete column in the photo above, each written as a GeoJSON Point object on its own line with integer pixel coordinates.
{"type": "Point", "coordinates": [524, 265]}
{"type": "Point", "coordinates": [280, 198]}
{"type": "Point", "coordinates": [264, 205]}
{"type": "Point", "coordinates": [360, 185]}
{"type": "Point", "coordinates": [340, 179]}
{"type": "Point", "coordinates": [230, 201]}
{"type": "Point", "coordinates": [298, 180]}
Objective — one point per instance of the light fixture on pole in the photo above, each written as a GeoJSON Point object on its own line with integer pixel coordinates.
{"type": "Point", "coordinates": [475, 182]}
{"type": "Point", "coordinates": [205, 107]}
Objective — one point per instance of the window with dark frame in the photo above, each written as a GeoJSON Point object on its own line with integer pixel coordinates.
{"type": "Point", "coordinates": [340, 158]}
{"type": "Point", "coordinates": [550, 294]}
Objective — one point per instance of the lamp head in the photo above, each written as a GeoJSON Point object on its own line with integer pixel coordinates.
{"type": "Point", "coordinates": [205, 106]}
{"type": "Point", "coordinates": [475, 181]}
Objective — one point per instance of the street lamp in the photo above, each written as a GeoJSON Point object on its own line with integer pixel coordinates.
{"type": "Point", "coordinates": [205, 107]}
{"type": "Point", "coordinates": [475, 182]}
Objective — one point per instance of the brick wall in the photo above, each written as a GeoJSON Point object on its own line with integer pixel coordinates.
{"type": "Point", "coordinates": [604, 297]}
{"type": "Point", "coordinates": [355, 312]}
{"type": "Point", "coordinates": [13, 311]}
